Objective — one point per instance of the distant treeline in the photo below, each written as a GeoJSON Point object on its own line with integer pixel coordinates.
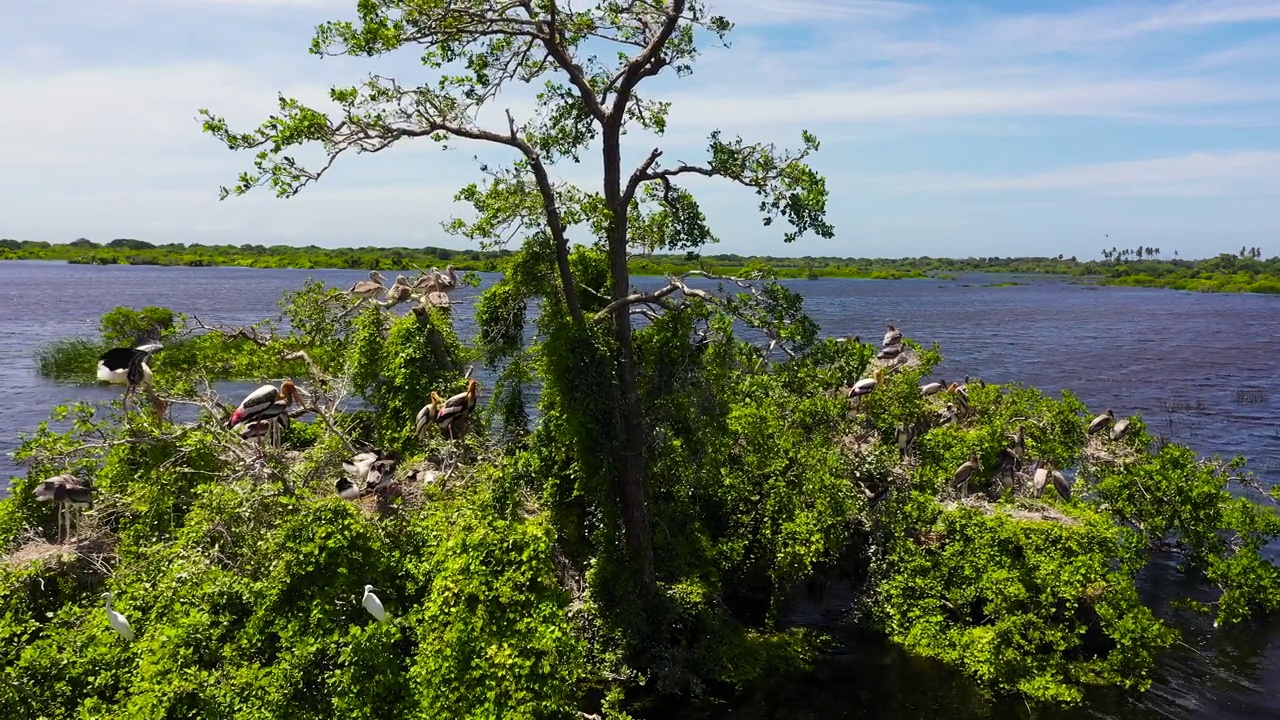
{"type": "Point", "coordinates": [1245, 271]}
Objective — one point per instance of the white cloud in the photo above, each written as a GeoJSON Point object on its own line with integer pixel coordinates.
{"type": "Point", "coordinates": [766, 12]}
{"type": "Point", "coordinates": [1192, 175]}
{"type": "Point", "coordinates": [939, 99]}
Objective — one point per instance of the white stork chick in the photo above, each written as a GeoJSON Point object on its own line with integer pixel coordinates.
{"type": "Point", "coordinates": [118, 622]}
{"type": "Point", "coordinates": [358, 466]}
{"type": "Point", "coordinates": [128, 367]}
{"type": "Point", "coordinates": [372, 604]}
{"type": "Point", "coordinates": [374, 287]}
{"type": "Point", "coordinates": [70, 494]}
{"type": "Point", "coordinates": [892, 336]}
{"type": "Point", "coordinates": [1119, 429]}
{"type": "Point", "coordinates": [1101, 422]}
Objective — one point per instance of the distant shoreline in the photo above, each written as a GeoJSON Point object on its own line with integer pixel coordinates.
{"type": "Point", "coordinates": [1245, 273]}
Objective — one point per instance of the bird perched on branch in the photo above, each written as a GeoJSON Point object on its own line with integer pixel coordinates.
{"type": "Point", "coordinates": [452, 415]}
{"type": "Point", "coordinates": [265, 403]}
{"type": "Point", "coordinates": [70, 494]}
{"type": "Point", "coordinates": [128, 367]}
{"type": "Point", "coordinates": [374, 287]}
{"type": "Point", "coordinates": [399, 292]}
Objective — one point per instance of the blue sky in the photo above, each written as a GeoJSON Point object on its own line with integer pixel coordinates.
{"type": "Point", "coordinates": [947, 128]}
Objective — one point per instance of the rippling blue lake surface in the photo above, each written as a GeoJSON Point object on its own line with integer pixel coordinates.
{"type": "Point", "coordinates": [1200, 368]}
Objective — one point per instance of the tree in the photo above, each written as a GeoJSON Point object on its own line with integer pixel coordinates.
{"type": "Point", "coordinates": [591, 60]}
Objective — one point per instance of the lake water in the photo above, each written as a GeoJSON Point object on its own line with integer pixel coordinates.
{"type": "Point", "coordinates": [1201, 368]}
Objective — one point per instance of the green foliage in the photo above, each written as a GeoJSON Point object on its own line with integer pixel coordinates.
{"type": "Point", "coordinates": [128, 327]}
{"type": "Point", "coordinates": [1041, 608]}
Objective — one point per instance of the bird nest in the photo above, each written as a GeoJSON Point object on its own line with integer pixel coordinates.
{"type": "Point", "coordinates": [1025, 510]}
{"type": "Point", "coordinates": [1100, 451]}
{"type": "Point", "coordinates": [88, 556]}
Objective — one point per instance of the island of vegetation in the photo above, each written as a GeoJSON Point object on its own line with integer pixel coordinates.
{"type": "Point", "coordinates": [1226, 272]}
{"type": "Point", "coordinates": [699, 461]}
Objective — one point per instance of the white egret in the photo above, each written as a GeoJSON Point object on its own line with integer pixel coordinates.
{"type": "Point", "coordinates": [373, 604]}
{"type": "Point", "coordinates": [117, 621]}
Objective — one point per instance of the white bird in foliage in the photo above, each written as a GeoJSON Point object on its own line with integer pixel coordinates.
{"type": "Point", "coordinates": [1040, 477]}
{"type": "Point", "coordinates": [70, 494]}
{"type": "Point", "coordinates": [128, 367]}
{"type": "Point", "coordinates": [1101, 421]}
{"type": "Point", "coordinates": [1119, 429]}
{"type": "Point", "coordinates": [932, 388]}
{"type": "Point", "coordinates": [118, 622]}
{"type": "Point", "coordinates": [373, 604]}
{"type": "Point", "coordinates": [374, 287]}
{"type": "Point", "coordinates": [866, 385]}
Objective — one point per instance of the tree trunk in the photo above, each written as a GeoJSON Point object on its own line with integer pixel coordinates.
{"type": "Point", "coordinates": [630, 459]}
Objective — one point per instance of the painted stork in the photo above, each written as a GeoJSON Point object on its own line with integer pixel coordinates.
{"type": "Point", "coordinates": [965, 473]}
{"type": "Point", "coordinates": [932, 388]}
{"type": "Point", "coordinates": [427, 416]}
{"type": "Point", "coordinates": [1101, 422]}
{"type": "Point", "coordinates": [70, 494]}
{"type": "Point", "coordinates": [456, 409]}
{"type": "Point", "coordinates": [866, 385]}
{"type": "Point", "coordinates": [961, 395]}
{"type": "Point", "coordinates": [1119, 429]}
{"type": "Point", "coordinates": [374, 287]}
{"type": "Point", "coordinates": [266, 403]}
{"type": "Point", "coordinates": [128, 367]}
{"type": "Point", "coordinates": [372, 604]}
{"type": "Point", "coordinates": [118, 622]}
{"type": "Point", "coordinates": [892, 336]}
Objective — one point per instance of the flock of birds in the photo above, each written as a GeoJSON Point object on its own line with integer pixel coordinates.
{"type": "Point", "coordinates": [430, 288]}
{"type": "Point", "coordinates": [263, 415]}
{"type": "Point", "coordinates": [1010, 463]}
